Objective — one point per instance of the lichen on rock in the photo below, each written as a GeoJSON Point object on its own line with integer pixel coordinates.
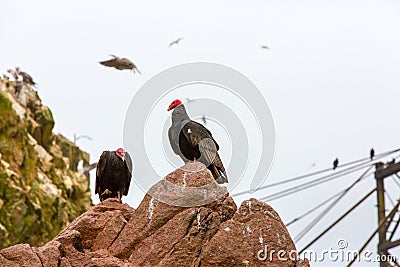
{"type": "Point", "coordinates": [41, 191]}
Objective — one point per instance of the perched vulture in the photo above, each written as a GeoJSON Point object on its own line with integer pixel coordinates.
{"type": "Point", "coordinates": [113, 174]}
{"type": "Point", "coordinates": [372, 154]}
{"type": "Point", "coordinates": [175, 42]}
{"type": "Point", "coordinates": [26, 78]}
{"type": "Point", "coordinates": [192, 141]}
{"type": "Point", "coordinates": [120, 64]}
{"type": "Point", "coordinates": [335, 163]}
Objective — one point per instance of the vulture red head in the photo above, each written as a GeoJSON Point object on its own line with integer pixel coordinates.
{"type": "Point", "coordinates": [120, 152]}
{"type": "Point", "coordinates": [174, 104]}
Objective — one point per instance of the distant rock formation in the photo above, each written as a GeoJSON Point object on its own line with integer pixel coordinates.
{"type": "Point", "coordinates": [158, 234]}
{"type": "Point", "coordinates": [40, 188]}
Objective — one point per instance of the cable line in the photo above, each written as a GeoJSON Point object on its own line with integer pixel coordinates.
{"type": "Point", "coordinates": [313, 209]}
{"type": "Point", "coordinates": [324, 212]}
{"type": "Point", "coordinates": [364, 160]}
{"type": "Point", "coordinates": [381, 224]}
{"type": "Point", "coordinates": [308, 185]}
{"type": "Point", "coordinates": [338, 220]}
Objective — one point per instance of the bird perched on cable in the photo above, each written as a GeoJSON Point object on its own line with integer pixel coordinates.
{"type": "Point", "coordinates": [175, 42]}
{"type": "Point", "coordinates": [372, 154]}
{"type": "Point", "coordinates": [26, 78]}
{"type": "Point", "coordinates": [113, 174]}
{"type": "Point", "coordinates": [120, 64]}
{"type": "Point", "coordinates": [192, 141]}
{"type": "Point", "coordinates": [335, 163]}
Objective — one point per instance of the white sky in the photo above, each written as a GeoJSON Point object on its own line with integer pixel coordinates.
{"type": "Point", "coordinates": [331, 79]}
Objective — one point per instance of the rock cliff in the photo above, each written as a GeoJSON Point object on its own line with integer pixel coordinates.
{"type": "Point", "coordinates": [159, 234]}
{"type": "Point", "coordinates": [40, 189]}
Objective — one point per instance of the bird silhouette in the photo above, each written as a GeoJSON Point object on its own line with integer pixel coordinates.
{"type": "Point", "coordinates": [77, 137]}
{"type": "Point", "coordinates": [204, 119]}
{"type": "Point", "coordinates": [120, 64]}
{"type": "Point", "coordinates": [264, 47]}
{"type": "Point", "coordinates": [26, 78]}
{"type": "Point", "coordinates": [372, 154]}
{"type": "Point", "coordinates": [175, 42]}
{"type": "Point", "coordinates": [335, 163]}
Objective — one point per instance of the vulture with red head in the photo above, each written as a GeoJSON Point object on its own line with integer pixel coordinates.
{"type": "Point", "coordinates": [113, 174]}
{"type": "Point", "coordinates": [192, 141]}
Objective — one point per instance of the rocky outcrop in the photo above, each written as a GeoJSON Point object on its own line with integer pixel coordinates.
{"type": "Point", "coordinates": [159, 234]}
{"type": "Point", "coordinates": [40, 189]}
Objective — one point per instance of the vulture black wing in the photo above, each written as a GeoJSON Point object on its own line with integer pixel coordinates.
{"type": "Point", "coordinates": [100, 171]}
{"type": "Point", "coordinates": [173, 136]}
{"type": "Point", "coordinates": [128, 173]}
{"type": "Point", "coordinates": [199, 136]}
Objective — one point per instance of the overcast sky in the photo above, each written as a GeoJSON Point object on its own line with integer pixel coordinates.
{"type": "Point", "coordinates": [331, 79]}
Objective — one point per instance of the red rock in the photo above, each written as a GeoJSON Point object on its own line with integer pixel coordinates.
{"type": "Point", "coordinates": [215, 233]}
{"type": "Point", "coordinates": [254, 227]}
{"type": "Point", "coordinates": [20, 255]}
{"type": "Point", "coordinates": [50, 254]}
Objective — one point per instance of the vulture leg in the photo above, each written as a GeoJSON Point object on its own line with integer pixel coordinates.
{"type": "Point", "coordinates": [119, 197]}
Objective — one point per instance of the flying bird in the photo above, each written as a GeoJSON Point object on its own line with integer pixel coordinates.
{"type": "Point", "coordinates": [372, 154]}
{"type": "Point", "coordinates": [192, 141]}
{"type": "Point", "coordinates": [335, 163]}
{"type": "Point", "coordinates": [77, 137]}
{"type": "Point", "coordinates": [264, 47]}
{"type": "Point", "coordinates": [313, 165]}
{"type": "Point", "coordinates": [175, 42]}
{"type": "Point", "coordinates": [26, 78]}
{"type": "Point", "coordinates": [120, 64]}
{"type": "Point", "coordinates": [113, 174]}
{"type": "Point", "coordinates": [85, 169]}
{"type": "Point", "coordinates": [204, 119]}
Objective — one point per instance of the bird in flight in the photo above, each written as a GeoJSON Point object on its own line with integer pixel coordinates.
{"type": "Point", "coordinates": [113, 174]}
{"type": "Point", "coordinates": [120, 64]}
{"type": "Point", "coordinates": [372, 154]}
{"type": "Point", "coordinates": [192, 141]}
{"type": "Point", "coordinates": [175, 42]}
{"type": "Point", "coordinates": [264, 47]}
{"type": "Point", "coordinates": [204, 119]}
{"type": "Point", "coordinates": [335, 163]}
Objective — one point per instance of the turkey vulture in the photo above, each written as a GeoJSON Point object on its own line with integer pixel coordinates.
{"type": "Point", "coordinates": [175, 42]}
{"type": "Point", "coordinates": [335, 163]}
{"type": "Point", "coordinates": [372, 154]}
{"type": "Point", "coordinates": [113, 174]}
{"type": "Point", "coordinates": [192, 141]}
{"type": "Point", "coordinates": [120, 64]}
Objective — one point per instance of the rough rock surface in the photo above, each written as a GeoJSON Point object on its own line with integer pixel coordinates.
{"type": "Point", "coordinates": [40, 189]}
{"type": "Point", "coordinates": [159, 234]}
